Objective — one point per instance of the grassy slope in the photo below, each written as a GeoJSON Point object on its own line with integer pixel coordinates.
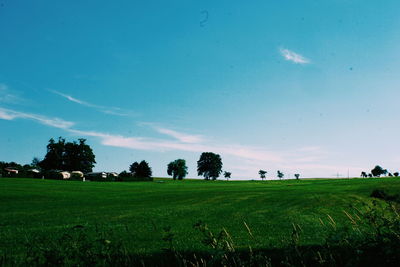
{"type": "Point", "coordinates": [138, 211]}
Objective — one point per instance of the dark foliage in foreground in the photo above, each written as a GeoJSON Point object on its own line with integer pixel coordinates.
{"type": "Point", "coordinates": [382, 194]}
{"type": "Point", "coordinates": [370, 239]}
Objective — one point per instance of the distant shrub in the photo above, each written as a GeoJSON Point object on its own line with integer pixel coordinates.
{"type": "Point", "coordinates": [125, 176]}
{"type": "Point", "coordinates": [52, 174]}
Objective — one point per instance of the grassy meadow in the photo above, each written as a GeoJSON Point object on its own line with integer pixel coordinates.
{"type": "Point", "coordinates": [138, 213]}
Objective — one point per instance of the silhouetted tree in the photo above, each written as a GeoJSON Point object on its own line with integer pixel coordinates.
{"type": "Point", "coordinates": [209, 165]}
{"type": "Point", "coordinates": [78, 157]}
{"type": "Point", "coordinates": [177, 169]}
{"type": "Point", "coordinates": [280, 174]}
{"type": "Point", "coordinates": [378, 171]}
{"type": "Point", "coordinates": [53, 160]}
{"type": "Point", "coordinates": [396, 174]}
{"type": "Point", "coordinates": [369, 175]}
{"type": "Point", "coordinates": [140, 170]}
{"type": "Point", "coordinates": [364, 174]}
{"type": "Point", "coordinates": [262, 174]}
{"type": "Point", "coordinates": [390, 174]}
{"type": "Point", "coordinates": [297, 176]}
{"type": "Point", "coordinates": [68, 156]}
{"type": "Point", "coordinates": [227, 175]}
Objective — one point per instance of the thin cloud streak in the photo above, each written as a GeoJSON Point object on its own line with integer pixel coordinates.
{"type": "Point", "coordinates": [143, 143]}
{"type": "Point", "coordinates": [151, 144]}
{"type": "Point", "coordinates": [7, 97]}
{"type": "Point", "coordinates": [245, 160]}
{"type": "Point", "coordinates": [182, 137]}
{"type": "Point", "coordinates": [294, 57]}
{"type": "Point", "coordinates": [8, 114]}
{"type": "Point", "coordinates": [107, 110]}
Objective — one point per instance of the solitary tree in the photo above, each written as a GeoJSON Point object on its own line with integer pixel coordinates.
{"type": "Point", "coordinates": [262, 174]}
{"type": "Point", "coordinates": [364, 174]}
{"type": "Point", "coordinates": [227, 175]}
{"type": "Point", "coordinates": [280, 174]}
{"type": "Point", "coordinates": [140, 170]}
{"type": "Point", "coordinates": [209, 165]}
{"type": "Point", "coordinates": [396, 174]}
{"type": "Point", "coordinates": [297, 176]}
{"type": "Point", "coordinates": [177, 169]}
{"type": "Point", "coordinates": [378, 171]}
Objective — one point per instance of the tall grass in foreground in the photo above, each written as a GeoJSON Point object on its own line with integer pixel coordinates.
{"type": "Point", "coordinates": [370, 238]}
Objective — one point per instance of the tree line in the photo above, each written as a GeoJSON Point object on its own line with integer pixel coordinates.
{"type": "Point", "coordinates": [79, 156]}
{"type": "Point", "coordinates": [378, 171]}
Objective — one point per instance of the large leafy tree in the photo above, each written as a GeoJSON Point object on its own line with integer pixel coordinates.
{"type": "Point", "coordinates": [177, 169]}
{"type": "Point", "coordinates": [378, 171]}
{"type": "Point", "coordinates": [140, 170]}
{"type": "Point", "coordinates": [54, 160]}
{"type": "Point", "coordinates": [69, 156]}
{"type": "Point", "coordinates": [209, 165]}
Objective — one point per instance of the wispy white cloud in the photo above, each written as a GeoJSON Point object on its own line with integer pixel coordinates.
{"type": "Point", "coordinates": [243, 161]}
{"type": "Point", "coordinates": [294, 57]}
{"type": "Point", "coordinates": [8, 114]}
{"type": "Point", "coordinates": [180, 136]}
{"type": "Point", "coordinates": [185, 142]}
{"type": "Point", "coordinates": [154, 144]}
{"type": "Point", "coordinates": [104, 109]}
{"type": "Point", "coordinates": [6, 96]}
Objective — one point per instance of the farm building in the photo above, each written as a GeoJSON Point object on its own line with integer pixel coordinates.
{"type": "Point", "coordinates": [11, 171]}
{"type": "Point", "coordinates": [65, 175]}
{"type": "Point", "coordinates": [77, 175]}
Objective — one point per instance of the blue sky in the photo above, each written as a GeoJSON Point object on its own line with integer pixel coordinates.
{"type": "Point", "coordinates": [307, 87]}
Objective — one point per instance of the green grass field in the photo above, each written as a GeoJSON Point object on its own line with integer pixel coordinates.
{"type": "Point", "coordinates": [137, 212]}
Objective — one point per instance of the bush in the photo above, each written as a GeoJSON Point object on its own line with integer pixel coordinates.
{"type": "Point", "coordinates": [381, 194]}
{"type": "Point", "coordinates": [53, 174]}
{"type": "Point", "coordinates": [129, 177]}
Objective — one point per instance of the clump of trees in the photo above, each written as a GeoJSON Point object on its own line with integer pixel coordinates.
{"type": "Point", "coordinates": [68, 156]}
{"type": "Point", "coordinates": [177, 169]}
{"type": "Point", "coordinates": [209, 165]}
{"type": "Point", "coordinates": [140, 170]}
{"type": "Point", "coordinates": [378, 171]}
{"type": "Point", "coordinates": [7, 169]}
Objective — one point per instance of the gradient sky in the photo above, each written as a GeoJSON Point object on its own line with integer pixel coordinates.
{"type": "Point", "coordinates": [309, 87]}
